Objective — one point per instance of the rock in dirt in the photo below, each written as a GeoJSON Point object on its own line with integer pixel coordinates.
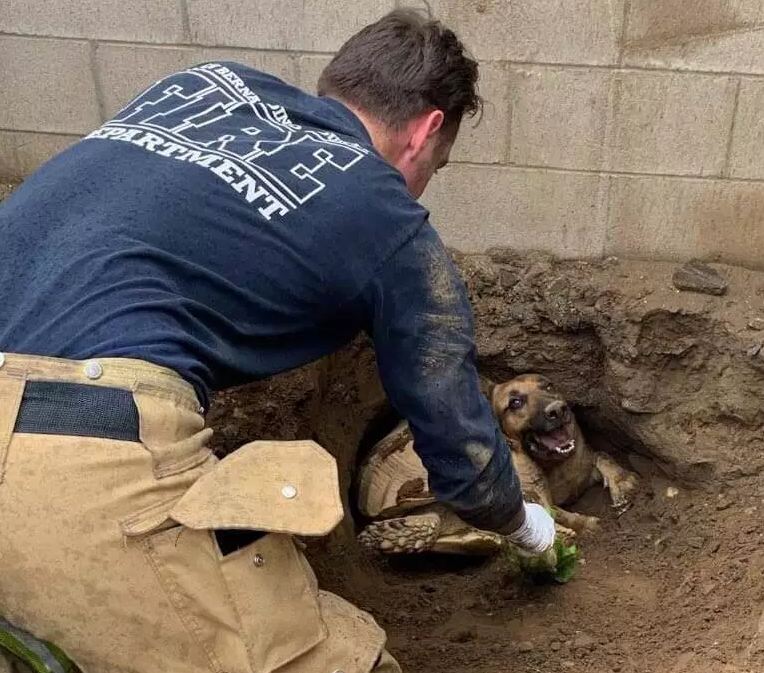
{"type": "Point", "coordinates": [694, 276]}
{"type": "Point", "coordinates": [723, 503]}
{"type": "Point", "coordinates": [538, 269]}
{"type": "Point", "coordinates": [5, 189]}
{"type": "Point", "coordinates": [508, 279]}
{"type": "Point", "coordinates": [525, 646]}
{"type": "Point", "coordinates": [583, 641]}
{"type": "Point", "coordinates": [756, 324]}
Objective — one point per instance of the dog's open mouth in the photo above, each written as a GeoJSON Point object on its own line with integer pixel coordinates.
{"type": "Point", "coordinates": [556, 444]}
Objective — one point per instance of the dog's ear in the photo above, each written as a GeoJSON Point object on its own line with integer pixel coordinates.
{"type": "Point", "coordinates": [487, 387]}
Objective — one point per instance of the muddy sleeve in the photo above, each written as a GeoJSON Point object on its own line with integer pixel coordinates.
{"type": "Point", "coordinates": [421, 322]}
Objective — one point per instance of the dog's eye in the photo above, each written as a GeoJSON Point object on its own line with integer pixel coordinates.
{"type": "Point", "coordinates": [516, 403]}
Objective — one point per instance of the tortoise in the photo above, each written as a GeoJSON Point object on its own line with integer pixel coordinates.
{"type": "Point", "coordinates": [554, 463]}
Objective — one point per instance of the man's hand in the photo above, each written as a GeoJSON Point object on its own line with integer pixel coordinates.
{"type": "Point", "coordinates": [536, 534]}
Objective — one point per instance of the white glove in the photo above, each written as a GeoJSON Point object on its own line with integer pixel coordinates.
{"type": "Point", "coordinates": [536, 535]}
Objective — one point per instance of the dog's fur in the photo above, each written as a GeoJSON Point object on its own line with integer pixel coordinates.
{"type": "Point", "coordinates": [554, 463]}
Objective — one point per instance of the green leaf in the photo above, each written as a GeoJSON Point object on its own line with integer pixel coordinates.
{"type": "Point", "coordinates": [558, 564]}
{"type": "Point", "coordinates": [567, 561]}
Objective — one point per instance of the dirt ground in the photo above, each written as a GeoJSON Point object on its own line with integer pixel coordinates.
{"type": "Point", "coordinates": [670, 383]}
{"type": "Point", "coordinates": [675, 585]}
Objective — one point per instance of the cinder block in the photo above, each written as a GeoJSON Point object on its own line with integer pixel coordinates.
{"type": "Point", "coordinates": [560, 116]}
{"type": "Point", "coordinates": [319, 25]}
{"type": "Point", "coordinates": [679, 218]}
{"type": "Point", "coordinates": [309, 69]}
{"type": "Point", "coordinates": [700, 35]}
{"type": "Point", "coordinates": [479, 207]}
{"type": "Point", "coordinates": [550, 31]}
{"type": "Point", "coordinates": [669, 123]}
{"type": "Point", "coordinates": [747, 156]}
{"type": "Point", "coordinates": [126, 70]}
{"type": "Point", "coordinates": [133, 20]}
{"type": "Point", "coordinates": [487, 141]}
{"type": "Point", "coordinates": [47, 85]}
{"type": "Point", "coordinates": [21, 153]}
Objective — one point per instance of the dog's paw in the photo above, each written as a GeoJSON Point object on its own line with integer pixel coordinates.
{"type": "Point", "coordinates": [589, 524]}
{"type": "Point", "coordinates": [621, 490]}
{"type": "Point", "coordinates": [580, 523]}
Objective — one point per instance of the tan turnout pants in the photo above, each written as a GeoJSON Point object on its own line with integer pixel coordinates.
{"type": "Point", "coordinates": [107, 549]}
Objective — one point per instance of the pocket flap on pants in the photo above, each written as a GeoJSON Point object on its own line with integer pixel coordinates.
{"type": "Point", "coordinates": [278, 487]}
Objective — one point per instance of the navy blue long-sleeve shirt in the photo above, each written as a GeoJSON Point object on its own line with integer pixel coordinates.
{"type": "Point", "coordinates": [229, 226]}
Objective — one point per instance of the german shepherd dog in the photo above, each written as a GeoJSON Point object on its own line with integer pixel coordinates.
{"type": "Point", "coordinates": [553, 461]}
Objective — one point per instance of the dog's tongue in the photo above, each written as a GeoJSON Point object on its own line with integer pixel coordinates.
{"type": "Point", "coordinates": [554, 439]}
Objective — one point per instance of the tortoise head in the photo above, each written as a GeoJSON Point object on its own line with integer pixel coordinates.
{"type": "Point", "coordinates": [534, 415]}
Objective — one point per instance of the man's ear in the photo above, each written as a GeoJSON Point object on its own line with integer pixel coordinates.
{"type": "Point", "coordinates": [434, 122]}
{"type": "Point", "coordinates": [422, 128]}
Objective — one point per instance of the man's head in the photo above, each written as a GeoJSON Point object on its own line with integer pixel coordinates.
{"type": "Point", "coordinates": [410, 81]}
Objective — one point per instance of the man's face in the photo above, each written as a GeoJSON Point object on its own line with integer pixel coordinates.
{"type": "Point", "coordinates": [432, 158]}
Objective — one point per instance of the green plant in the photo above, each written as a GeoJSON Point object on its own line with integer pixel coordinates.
{"type": "Point", "coordinates": [558, 564]}
{"type": "Point", "coordinates": [567, 561]}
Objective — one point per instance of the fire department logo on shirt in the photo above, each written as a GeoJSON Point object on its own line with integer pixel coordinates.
{"type": "Point", "coordinates": [194, 116]}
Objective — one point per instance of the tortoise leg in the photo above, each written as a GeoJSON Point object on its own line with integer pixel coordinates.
{"type": "Point", "coordinates": [457, 537]}
{"type": "Point", "coordinates": [405, 535]}
{"type": "Point", "coordinates": [471, 542]}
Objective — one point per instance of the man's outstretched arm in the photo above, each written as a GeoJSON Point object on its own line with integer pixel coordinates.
{"type": "Point", "coordinates": [422, 326]}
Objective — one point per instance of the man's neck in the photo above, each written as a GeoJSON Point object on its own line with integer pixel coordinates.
{"type": "Point", "coordinates": [384, 139]}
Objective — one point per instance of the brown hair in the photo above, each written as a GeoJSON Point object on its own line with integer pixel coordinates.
{"type": "Point", "coordinates": [402, 65]}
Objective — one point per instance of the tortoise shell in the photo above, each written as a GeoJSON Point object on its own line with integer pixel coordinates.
{"type": "Point", "coordinates": [393, 480]}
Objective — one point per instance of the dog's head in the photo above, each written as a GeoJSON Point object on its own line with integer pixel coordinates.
{"type": "Point", "coordinates": [535, 416]}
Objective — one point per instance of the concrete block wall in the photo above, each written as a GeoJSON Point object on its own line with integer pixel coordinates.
{"type": "Point", "coordinates": [612, 127]}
